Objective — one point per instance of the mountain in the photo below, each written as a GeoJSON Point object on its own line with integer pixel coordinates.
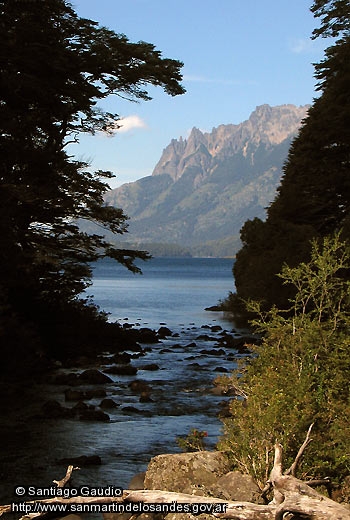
{"type": "Point", "coordinates": [205, 187]}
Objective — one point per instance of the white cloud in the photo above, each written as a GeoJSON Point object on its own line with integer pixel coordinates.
{"type": "Point", "coordinates": [302, 45]}
{"type": "Point", "coordinates": [128, 123]}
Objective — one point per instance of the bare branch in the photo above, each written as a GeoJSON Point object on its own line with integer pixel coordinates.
{"type": "Point", "coordinates": [61, 483]}
{"type": "Point", "coordinates": [294, 466]}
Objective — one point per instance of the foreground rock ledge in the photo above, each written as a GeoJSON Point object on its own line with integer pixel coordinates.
{"type": "Point", "coordinates": [201, 473]}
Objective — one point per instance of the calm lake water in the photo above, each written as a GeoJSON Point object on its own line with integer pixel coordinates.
{"type": "Point", "coordinates": [173, 292]}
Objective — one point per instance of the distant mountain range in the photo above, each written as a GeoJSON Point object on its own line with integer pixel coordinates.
{"type": "Point", "coordinates": [206, 186]}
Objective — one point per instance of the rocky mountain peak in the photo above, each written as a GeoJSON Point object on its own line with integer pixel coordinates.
{"type": "Point", "coordinates": [206, 186]}
{"type": "Point", "coordinates": [268, 125]}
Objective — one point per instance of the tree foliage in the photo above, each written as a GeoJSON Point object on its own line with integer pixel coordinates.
{"type": "Point", "coordinates": [300, 374]}
{"type": "Point", "coordinates": [56, 68]}
{"type": "Point", "coordinates": [313, 199]}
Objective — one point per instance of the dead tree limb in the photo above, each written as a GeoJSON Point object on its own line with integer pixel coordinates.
{"type": "Point", "coordinates": [297, 498]}
{"type": "Point", "coordinates": [294, 466]}
{"type": "Point", "coordinates": [291, 496]}
{"type": "Point", "coordinates": [61, 483]}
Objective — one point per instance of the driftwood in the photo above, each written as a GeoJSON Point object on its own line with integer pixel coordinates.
{"type": "Point", "coordinates": [291, 497]}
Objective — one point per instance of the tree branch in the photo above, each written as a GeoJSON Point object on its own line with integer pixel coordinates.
{"type": "Point", "coordinates": [61, 483]}
{"type": "Point", "coordinates": [294, 466]}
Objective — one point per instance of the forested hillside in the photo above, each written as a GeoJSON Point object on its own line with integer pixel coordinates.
{"type": "Point", "coordinates": [313, 199]}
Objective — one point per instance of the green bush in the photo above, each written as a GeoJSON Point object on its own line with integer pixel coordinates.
{"type": "Point", "coordinates": [194, 441]}
{"type": "Point", "coordinates": [299, 375]}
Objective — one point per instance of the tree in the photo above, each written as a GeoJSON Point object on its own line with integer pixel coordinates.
{"type": "Point", "coordinates": [55, 68]}
{"type": "Point", "coordinates": [300, 374]}
{"type": "Point", "coordinates": [313, 199]}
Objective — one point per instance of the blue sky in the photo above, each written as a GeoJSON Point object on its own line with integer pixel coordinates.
{"type": "Point", "coordinates": [237, 54]}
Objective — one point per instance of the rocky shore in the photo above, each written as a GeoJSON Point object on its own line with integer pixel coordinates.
{"type": "Point", "coordinates": [111, 412]}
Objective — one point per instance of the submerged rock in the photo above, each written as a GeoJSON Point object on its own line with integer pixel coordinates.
{"type": "Point", "coordinates": [83, 460]}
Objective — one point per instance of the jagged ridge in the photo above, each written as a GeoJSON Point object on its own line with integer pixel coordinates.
{"type": "Point", "coordinates": [205, 187]}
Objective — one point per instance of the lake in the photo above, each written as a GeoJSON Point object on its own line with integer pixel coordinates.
{"type": "Point", "coordinates": [172, 292]}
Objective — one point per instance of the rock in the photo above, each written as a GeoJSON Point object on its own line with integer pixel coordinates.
{"type": "Point", "coordinates": [93, 415]}
{"type": "Point", "coordinates": [94, 377]}
{"type": "Point", "coordinates": [127, 326]}
{"type": "Point", "coordinates": [215, 328]}
{"type": "Point", "coordinates": [145, 398]}
{"type": "Point", "coordinates": [121, 370]}
{"type": "Point", "coordinates": [213, 352]}
{"type": "Point", "coordinates": [138, 481]}
{"type": "Point", "coordinates": [146, 335]}
{"type": "Point", "coordinates": [213, 308]}
{"type": "Point", "coordinates": [54, 410]}
{"type": "Point", "coordinates": [194, 473]}
{"type": "Point", "coordinates": [80, 406]}
{"type": "Point", "coordinates": [139, 386]}
{"type": "Point", "coordinates": [163, 332]}
{"type": "Point", "coordinates": [241, 343]}
{"type": "Point", "coordinates": [74, 395]}
{"type": "Point", "coordinates": [131, 409]}
{"type": "Point", "coordinates": [120, 359]}
{"type": "Point", "coordinates": [108, 403]}
{"type": "Point", "coordinates": [83, 460]}
{"type": "Point", "coordinates": [151, 367]}
{"type": "Point", "coordinates": [236, 486]}
{"type": "Point", "coordinates": [205, 337]}
{"type": "Point", "coordinates": [95, 392]}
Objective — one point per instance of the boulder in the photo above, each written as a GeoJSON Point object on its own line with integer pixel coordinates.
{"type": "Point", "coordinates": [94, 377]}
{"type": "Point", "coordinates": [215, 328]}
{"type": "Point", "coordinates": [205, 337]}
{"type": "Point", "coordinates": [122, 358]}
{"type": "Point", "coordinates": [130, 409]}
{"type": "Point", "coordinates": [146, 335]}
{"type": "Point", "coordinates": [151, 367]}
{"type": "Point", "coordinates": [121, 370]}
{"type": "Point", "coordinates": [137, 481]}
{"type": "Point", "coordinates": [139, 386]}
{"type": "Point", "coordinates": [163, 332]}
{"type": "Point", "coordinates": [194, 473]}
{"type": "Point", "coordinates": [108, 403]}
{"type": "Point", "coordinates": [236, 486]}
{"type": "Point", "coordinates": [93, 415]}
